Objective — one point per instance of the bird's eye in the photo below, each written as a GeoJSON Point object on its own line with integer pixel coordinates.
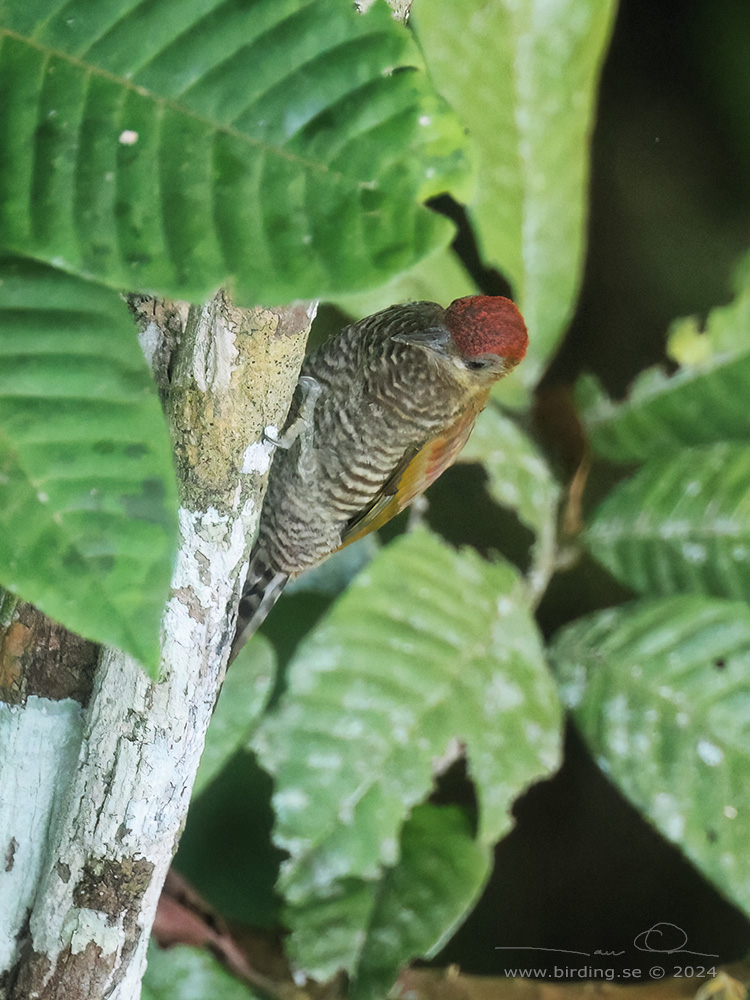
{"type": "Point", "coordinates": [477, 364]}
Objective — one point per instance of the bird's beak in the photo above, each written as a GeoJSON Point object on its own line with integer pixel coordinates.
{"type": "Point", "coordinates": [434, 338]}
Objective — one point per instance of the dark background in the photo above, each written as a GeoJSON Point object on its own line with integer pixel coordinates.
{"type": "Point", "coordinates": [670, 216]}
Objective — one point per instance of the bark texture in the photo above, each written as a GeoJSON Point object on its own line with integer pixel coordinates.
{"type": "Point", "coordinates": [98, 765]}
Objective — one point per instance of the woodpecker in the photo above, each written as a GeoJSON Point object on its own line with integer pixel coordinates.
{"type": "Point", "coordinates": [381, 409]}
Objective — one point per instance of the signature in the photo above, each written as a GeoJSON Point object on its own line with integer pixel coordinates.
{"type": "Point", "coordinates": [663, 938]}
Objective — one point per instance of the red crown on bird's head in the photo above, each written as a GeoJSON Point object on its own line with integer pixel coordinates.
{"type": "Point", "coordinates": [487, 324]}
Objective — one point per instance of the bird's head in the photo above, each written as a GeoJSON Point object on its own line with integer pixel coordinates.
{"type": "Point", "coordinates": [482, 336]}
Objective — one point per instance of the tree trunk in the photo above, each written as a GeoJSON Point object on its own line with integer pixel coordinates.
{"type": "Point", "coordinates": [98, 765]}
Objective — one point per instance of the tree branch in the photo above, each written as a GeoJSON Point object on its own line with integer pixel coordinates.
{"type": "Point", "coordinates": [114, 805]}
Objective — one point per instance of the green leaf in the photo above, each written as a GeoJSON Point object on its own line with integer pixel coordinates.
{"type": "Point", "coordinates": [225, 851]}
{"type": "Point", "coordinates": [183, 973]}
{"type": "Point", "coordinates": [179, 145]}
{"type": "Point", "coordinates": [411, 910]}
{"type": "Point", "coordinates": [88, 497]}
{"type": "Point", "coordinates": [705, 401]}
{"type": "Point", "coordinates": [680, 524]}
{"type": "Point", "coordinates": [421, 901]}
{"type": "Point", "coordinates": [439, 278]}
{"type": "Point", "coordinates": [518, 478]}
{"type": "Point", "coordinates": [426, 648]}
{"type": "Point", "coordinates": [244, 694]}
{"type": "Point", "coordinates": [522, 78]}
{"type": "Point", "coordinates": [660, 691]}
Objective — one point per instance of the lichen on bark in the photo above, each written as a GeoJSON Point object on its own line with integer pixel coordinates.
{"type": "Point", "coordinates": [94, 839]}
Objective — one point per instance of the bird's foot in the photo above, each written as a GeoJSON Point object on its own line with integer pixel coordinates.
{"type": "Point", "coordinates": [302, 425]}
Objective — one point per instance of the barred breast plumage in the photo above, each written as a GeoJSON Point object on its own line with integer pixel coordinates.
{"type": "Point", "coordinates": [394, 399]}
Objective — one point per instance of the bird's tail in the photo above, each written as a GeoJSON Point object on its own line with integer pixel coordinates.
{"type": "Point", "coordinates": [262, 590]}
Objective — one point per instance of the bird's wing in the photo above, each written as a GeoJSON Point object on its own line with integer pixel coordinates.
{"type": "Point", "coordinates": [418, 467]}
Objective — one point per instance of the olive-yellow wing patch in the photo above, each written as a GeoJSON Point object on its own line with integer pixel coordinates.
{"type": "Point", "coordinates": [419, 466]}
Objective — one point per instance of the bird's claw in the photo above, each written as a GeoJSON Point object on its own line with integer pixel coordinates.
{"type": "Point", "coordinates": [272, 438]}
{"type": "Point", "coordinates": [302, 425]}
